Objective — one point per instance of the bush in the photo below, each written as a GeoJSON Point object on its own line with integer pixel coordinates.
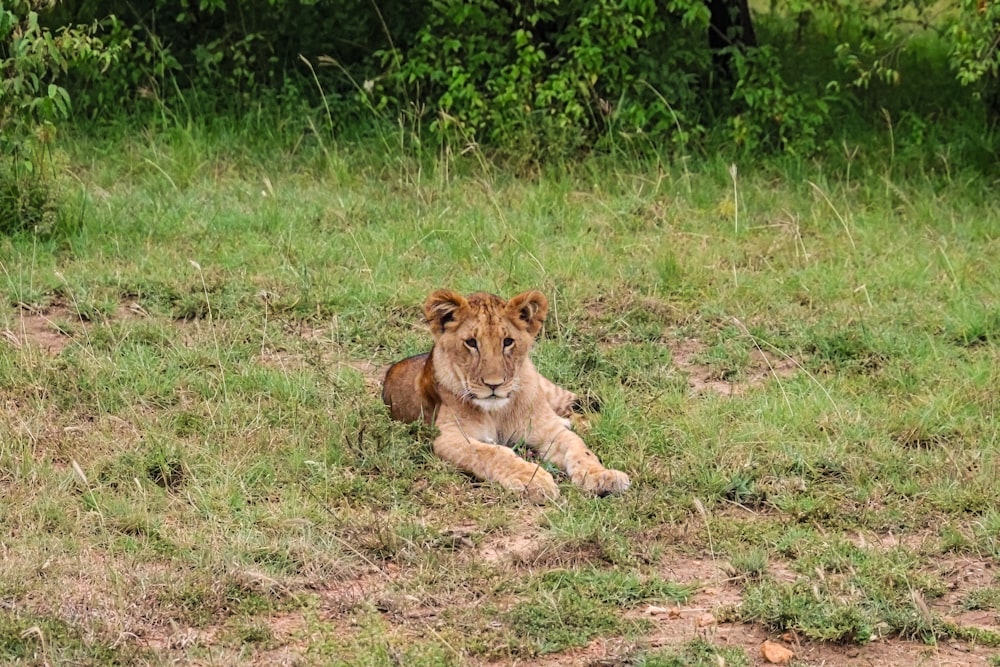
{"type": "Point", "coordinates": [32, 58]}
{"type": "Point", "coordinates": [230, 56]}
{"type": "Point", "coordinates": [550, 74]}
{"type": "Point", "coordinates": [976, 51]}
{"type": "Point", "coordinates": [548, 78]}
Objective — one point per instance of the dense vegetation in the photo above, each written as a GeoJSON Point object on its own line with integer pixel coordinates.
{"type": "Point", "coordinates": [506, 74]}
{"type": "Point", "coordinates": [521, 81]}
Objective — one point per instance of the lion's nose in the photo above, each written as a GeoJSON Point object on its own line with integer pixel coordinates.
{"type": "Point", "coordinates": [493, 387]}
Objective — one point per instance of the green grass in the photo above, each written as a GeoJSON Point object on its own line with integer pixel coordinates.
{"type": "Point", "coordinates": [695, 653]}
{"type": "Point", "coordinates": [194, 468]}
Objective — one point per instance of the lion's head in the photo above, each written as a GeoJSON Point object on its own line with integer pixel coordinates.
{"type": "Point", "coordinates": [481, 342]}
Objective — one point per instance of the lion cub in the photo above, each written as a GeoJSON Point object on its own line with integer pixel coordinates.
{"type": "Point", "coordinates": [479, 387]}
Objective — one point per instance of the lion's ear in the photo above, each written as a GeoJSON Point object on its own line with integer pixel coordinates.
{"type": "Point", "coordinates": [530, 308]}
{"type": "Point", "coordinates": [441, 308]}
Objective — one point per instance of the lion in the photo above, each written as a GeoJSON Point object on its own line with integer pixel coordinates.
{"type": "Point", "coordinates": [480, 388]}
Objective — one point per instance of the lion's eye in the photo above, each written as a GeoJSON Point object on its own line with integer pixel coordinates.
{"type": "Point", "coordinates": [471, 343]}
{"type": "Point", "coordinates": [507, 342]}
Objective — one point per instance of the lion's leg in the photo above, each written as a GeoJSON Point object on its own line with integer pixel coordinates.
{"type": "Point", "coordinates": [564, 402]}
{"type": "Point", "coordinates": [495, 463]}
{"type": "Point", "coordinates": [567, 450]}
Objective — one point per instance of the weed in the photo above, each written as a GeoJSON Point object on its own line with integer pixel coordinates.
{"type": "Point", "coordinates": [559, 620]}
{"type": "Point", "coordinates": [750, 564]}
{"type": "Point", "coordinates": [814, 614]}
{"type": "Point", "coordinates": [696, 653]}
{"type": "Point", "coordinates": [28, 639]}
{"type": "Point", "coordinates": [983, 598]}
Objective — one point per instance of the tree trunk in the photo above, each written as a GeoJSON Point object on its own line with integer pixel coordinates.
{"type": "Point", "coordinates": [729, 26]}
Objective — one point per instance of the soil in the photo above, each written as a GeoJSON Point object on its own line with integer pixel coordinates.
{"type": "Point", "coordinates": [50, 328]}
{"type": "Point", "coordinates": [701, 378]}
{"type": "Point", "coordinates": [679, 624]}
{"type": "Point", "coordinates": [41, 328]}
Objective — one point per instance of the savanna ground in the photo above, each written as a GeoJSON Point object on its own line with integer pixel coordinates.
{"type": "Point", "coordinates": [798, 367]}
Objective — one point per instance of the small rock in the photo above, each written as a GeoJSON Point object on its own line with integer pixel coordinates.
{"type": "Point", "coordinates": [776, 654]}
{"type": "Point", "coordinates": [706, 619]}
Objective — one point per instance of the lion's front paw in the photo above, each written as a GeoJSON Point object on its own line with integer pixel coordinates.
{"type": "Point", "coordinates": [535, 482]}
{"type": "Point", "coordinates": [605, 482]}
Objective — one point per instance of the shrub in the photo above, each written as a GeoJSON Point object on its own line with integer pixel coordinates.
{"type": "Point", "coordinates": [976, 51]}
{"type": "Point", "coordinates": [549, 74]}
{"type": "Point", "coordinates": [232, 57]}
{"type": "Point", "coordinates": [32, 58]}
{"type": "Point", "coordinates": [547, 78]}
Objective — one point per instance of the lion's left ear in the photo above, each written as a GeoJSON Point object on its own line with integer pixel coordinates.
{"type": "Point", "coordinates": [529, 308]}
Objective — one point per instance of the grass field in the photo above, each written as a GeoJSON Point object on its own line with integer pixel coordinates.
{"type": "Point", "coordinates": [798, 367]}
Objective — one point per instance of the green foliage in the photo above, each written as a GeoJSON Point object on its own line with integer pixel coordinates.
{"type": "Point", "coordinates": [983, 598]}
{"type": "Point", "coordinates": [871, 42]}
{"type": "Point", "coordinates": [976, 49]}
{"type": "Point", "coordinates": [227, 56]}
{"type": "Point", "coordinates": [531, 76]}
{"type": "Point", "coordinates": [696, 653]}
{"type": "Point", "coordinates": [818, 615]}
{"type": "Point", "coordinates": [32, 103]}
{"type": "Point", "coordinates": [550, 78]}
{"type": "Point", "coordinates": [772, 114]}
{"type": "Point", "coordinates": [874, 54]}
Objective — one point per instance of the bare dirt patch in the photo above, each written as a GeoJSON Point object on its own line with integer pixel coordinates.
{"type": "Point", "coordinates": [373, 374]}
{"type": "Point", "coordinates": [964, 577]}
{"type": "Point", "coordinates": [345, 593]}
{"type": "Point", "coordinates": [518, 546]}
{"type": "Point", "coordinates": [51, 328]}
{"type": "Point", "coordinates": [41, 328]}
{"type": "Point", "coordinates": [703, 379]}
{"type": "Point", "coordinates": [132, 310]}
{"type": "Point", "coordinates": [323, 349]}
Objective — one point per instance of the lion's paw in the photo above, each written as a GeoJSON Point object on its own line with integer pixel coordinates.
{"type": "Point", "coordinates": [605, 482]}
{"type": "Point", "coordinates": [536, 483]}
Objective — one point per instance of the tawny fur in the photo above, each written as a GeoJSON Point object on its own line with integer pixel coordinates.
{"type": "Point", "coordinates": [479, 387]}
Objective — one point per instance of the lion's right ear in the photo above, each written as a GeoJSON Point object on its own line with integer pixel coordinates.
{"type": "Point", "coordinates": [529, 308]}
{"type": "Point", "coordinates": [441, 308]}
